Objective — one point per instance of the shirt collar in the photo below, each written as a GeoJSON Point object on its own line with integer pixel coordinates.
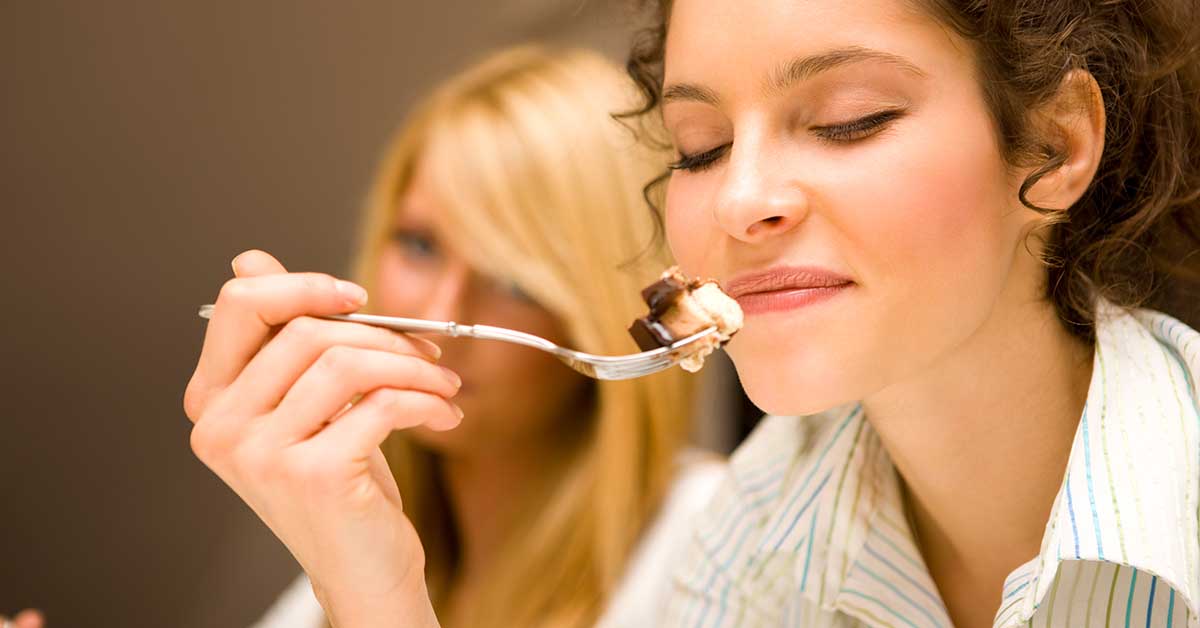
{"type": "Point", "coordinates": [1130, 494]}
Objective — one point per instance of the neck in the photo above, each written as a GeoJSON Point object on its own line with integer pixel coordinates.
{"type": "Point", "coordinates": [981, 443]}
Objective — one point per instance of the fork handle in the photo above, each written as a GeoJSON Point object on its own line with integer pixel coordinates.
{"type": "Point", "coordinates": [444, 328]}
{"type": "Point", "coordinates": [450, 328]}
{"type": "Point", "coordinates": [416, 325]}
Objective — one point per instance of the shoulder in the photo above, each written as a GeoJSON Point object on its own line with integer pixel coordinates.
{"type": "Point", "coordinates": [1147, 354]}
{"type": "Point", "coordinates": [1173, 334]}
{"type": "Point", "coordinates": [296, 607]}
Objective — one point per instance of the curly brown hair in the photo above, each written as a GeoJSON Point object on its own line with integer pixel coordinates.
{"type": "Point", "coordinates": [1134, 236]}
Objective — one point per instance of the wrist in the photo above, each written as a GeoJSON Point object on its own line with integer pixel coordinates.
{"type": "Point", "coordinates": [407, 604]}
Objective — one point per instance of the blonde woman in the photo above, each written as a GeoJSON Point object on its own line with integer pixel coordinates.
{"type": "Point", "coordinates": [509, 198]}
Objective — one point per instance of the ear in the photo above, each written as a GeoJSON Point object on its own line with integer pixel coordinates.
{"type": "Point", "coordinates": [1073, 123]}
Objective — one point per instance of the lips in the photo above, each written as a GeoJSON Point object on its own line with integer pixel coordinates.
{"type": "Point", "coordinates": [786, 288]}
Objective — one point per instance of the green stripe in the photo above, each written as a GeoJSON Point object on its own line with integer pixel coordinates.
{"type": "Point", "coordinates": [1104, 445]}
{"type": "Point", "coordinates": [1053, 596]}
{"type": "Point", "coordinates": [1111, 592]}
{"type": "Point", "coordinates": [1137, 495]}
{"type": "Point", "coordinates": [1091, 594]}
{"type": "Point", "coordinates": [1077, 568]}
{"type": "Point", "coordinates": [1182, 433]}
{"type": "Point", "coordinates": [862, 477]}
{"type": "Point", "coordinates": [833, 515]}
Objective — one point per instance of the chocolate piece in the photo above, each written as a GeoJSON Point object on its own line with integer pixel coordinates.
{"type": "Point", "coordinates": [663, 294]}
{"type": "Point", "coordinates": [649, 334]}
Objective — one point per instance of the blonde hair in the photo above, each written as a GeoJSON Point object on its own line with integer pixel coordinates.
{"type": "Point", "coordinates": [543, 188]}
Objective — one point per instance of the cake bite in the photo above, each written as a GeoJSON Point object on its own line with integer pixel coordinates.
{"type": "Point", "coordinates": [681, 307]}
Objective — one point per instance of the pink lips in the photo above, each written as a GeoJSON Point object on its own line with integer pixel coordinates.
{"type": "Point", "coordinates": [785, 288]}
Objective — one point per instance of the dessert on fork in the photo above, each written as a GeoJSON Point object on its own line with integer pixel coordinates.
{"type": "Point", "coordinates": [681, 307]}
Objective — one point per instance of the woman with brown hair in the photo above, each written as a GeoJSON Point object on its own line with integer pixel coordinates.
{"type": "Point", "coordinates": [942, 220]}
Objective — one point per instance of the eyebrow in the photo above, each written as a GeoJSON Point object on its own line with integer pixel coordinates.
{"type": "Point", "coordinates": [796, 70]}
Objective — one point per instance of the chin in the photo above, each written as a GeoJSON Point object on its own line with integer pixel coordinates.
{"type": "Point", "coordinates": [790, 380]}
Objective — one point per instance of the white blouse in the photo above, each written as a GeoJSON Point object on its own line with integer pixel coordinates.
{"type": "Point", "coordinates": [809, 529]}
{"type": "Point", "coordinates": [641, 596]}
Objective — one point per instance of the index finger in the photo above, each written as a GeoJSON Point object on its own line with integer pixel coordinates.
{"type": "Point", "coordinates": [247, 310]}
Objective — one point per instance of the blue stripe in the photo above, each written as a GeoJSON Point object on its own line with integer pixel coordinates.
{"type": "Point", "coordinates": [734, 515]}
{"type": "Point", "coordinates": [723, 568]}
{"type": "Point", "coordinates": [729, 581]}
{"type": "Point", "coordinates": [812, 531]}
{"type": "Point", "coordinates": [1150, 604]}
{"type": "Point", "coordinates": [753, 483]}
{"type": "Point", "coordinates": [915, 563]}
{"type": "Point", "coordinates": [796, 519]}
{"type": "Point", "coordinates": [1187, 378]}
{"type": "Point", "coordinates": [832, 441]}
{"type": "Point", "coordinates": [1022, 578]}
{"type": "Point", "coordinates": [897, 591]}
{"type": "Point", "coordinates": [1171, 609]}
{"type": "Point", "coordinates": [1014, 591]}
{"type": "Point", "coordinates": [1071, 510]}
{"type": "Point", "coordinates": [916, 585]}
{"type": "Point", "coordinates": [1129, 601]}
{"type": "Point", "coordinates": [880, 605]}
{"type": "Point", "coordinates": [1087, 458]}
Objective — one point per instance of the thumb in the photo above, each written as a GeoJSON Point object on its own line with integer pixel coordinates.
{"type": "Point", "coordinates": [254, 263]}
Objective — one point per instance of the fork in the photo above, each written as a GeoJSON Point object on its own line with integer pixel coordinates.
{"type": "Point", "coordinates": [608, 367]}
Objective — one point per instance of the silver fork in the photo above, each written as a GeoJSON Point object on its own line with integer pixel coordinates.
{"type": "Point", "coordinates": [610, 367]}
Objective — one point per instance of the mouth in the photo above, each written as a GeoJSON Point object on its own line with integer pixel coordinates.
{"type": "Point", "coordinates": [786, 288]}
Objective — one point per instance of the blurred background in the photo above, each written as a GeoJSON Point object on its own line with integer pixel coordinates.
{"type": "Point", "coordinates": [144, 145]}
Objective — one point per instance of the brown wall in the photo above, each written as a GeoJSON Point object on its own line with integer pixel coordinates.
{"type": "Point", "coordinates": [142, 145]}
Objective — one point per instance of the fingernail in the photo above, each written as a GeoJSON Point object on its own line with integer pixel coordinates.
{"type": "Point", "coordinates": [233, 263]}
{"type": "Point", "coordinates": [457, 409]}
{"type": "Point", "coordinates": [434, 350]}
{"type": "Point", "coordinates": [352, 292]}
{"type": "Point", "coordinates": [453, 377]}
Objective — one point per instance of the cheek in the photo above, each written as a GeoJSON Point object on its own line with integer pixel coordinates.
{"type": "Point", "coordinates": [931, 223]}
{"type": "Point", "coordinates": [692, 235]}
{"type": "Point", "coordinates": [922, 222]}
{"type": "Point", "coordinates": [399, 290]}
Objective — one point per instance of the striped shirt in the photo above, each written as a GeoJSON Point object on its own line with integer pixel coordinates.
{"type": "Point", "coordinates": [809, 528]}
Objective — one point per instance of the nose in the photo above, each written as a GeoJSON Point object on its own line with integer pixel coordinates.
{"type": "Point", "coordinates": [760, 197]}
{"type": "Point", "coordinates": [447, 301]}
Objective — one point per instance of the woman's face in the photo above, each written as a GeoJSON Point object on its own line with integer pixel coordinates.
{"type": "Point", "coordinates": [511, 395]}
{"type": "Point", "coordinates": [843, 145]}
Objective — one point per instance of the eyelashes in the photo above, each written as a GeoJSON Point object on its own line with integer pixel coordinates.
{"type": "Point", "coordinates": [698, 161]}
{"type": "Point", "coordinates": [845, 133]}
{"type": "Point", "coordinates": [861, 128]}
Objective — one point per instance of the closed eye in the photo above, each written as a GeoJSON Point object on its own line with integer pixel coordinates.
{"type": "Point", "coordinates": [859, 129]}
{"type": "Point", "coordinates": [697, 162]}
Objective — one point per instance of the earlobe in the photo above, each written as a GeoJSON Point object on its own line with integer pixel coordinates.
{"type": "Point", "coordinates": [1073, 123]}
